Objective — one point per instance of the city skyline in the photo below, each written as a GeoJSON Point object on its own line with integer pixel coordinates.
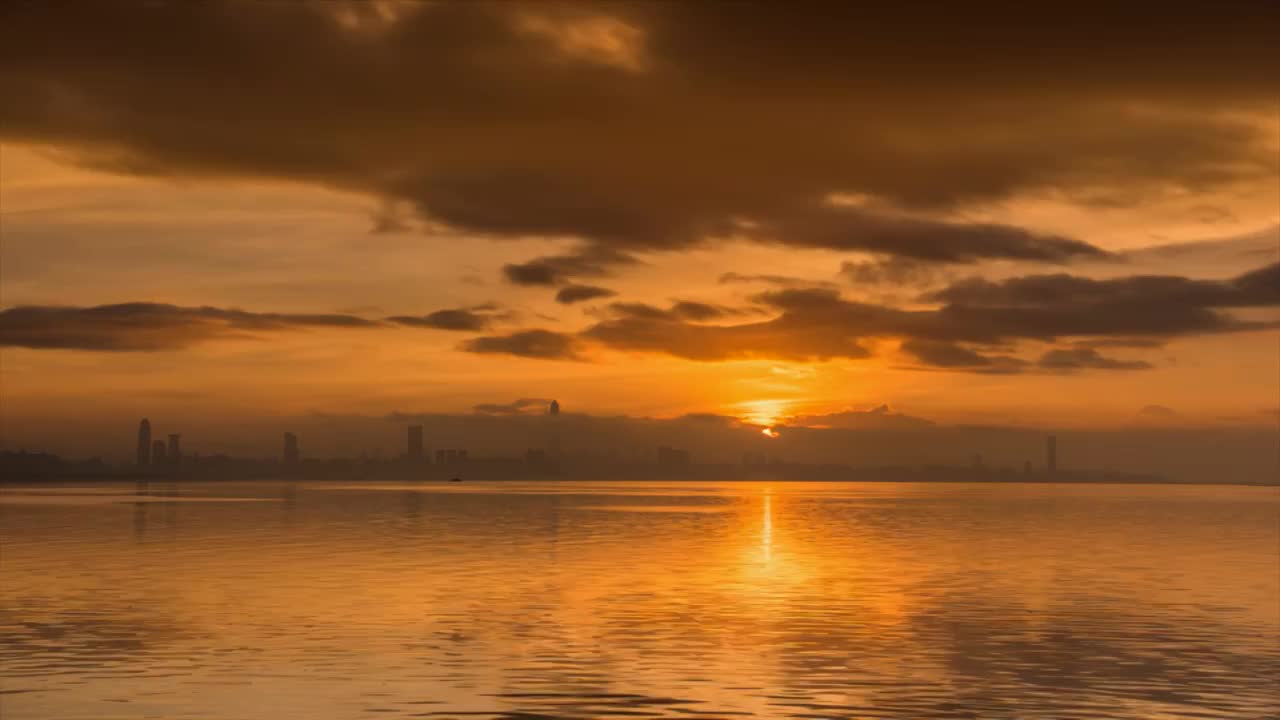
{"type": "Point", "coordinates": [539, 443]}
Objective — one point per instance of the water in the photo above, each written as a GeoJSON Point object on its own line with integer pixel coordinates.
{"type": "Point", "coordinates": [588, 600]}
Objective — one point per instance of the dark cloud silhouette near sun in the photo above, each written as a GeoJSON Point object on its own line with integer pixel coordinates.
{"type": "Point", "coordinates": [968, 320]}
{"type": "Point", "coordinates": [972, 325]}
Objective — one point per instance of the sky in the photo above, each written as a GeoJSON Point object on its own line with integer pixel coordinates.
{"type": "Point", "coordinates": [1050, 215]}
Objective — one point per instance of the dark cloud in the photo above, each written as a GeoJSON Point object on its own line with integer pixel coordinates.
{"type": "Point", "coordinates": [590, 261]}
{"type": "Point", "coordinates": [570, 294]}
{"type": "Point", "coordinates": [147, 326]}
{"type": "Point", "coordinates": [674, 123]}
{"type": "Point", "coordinates": [1069, 359]}
{"type": "Point", "coordinates": [936, 241]}
{"type": "Point", "coordinates": [950, 356]}
{"type": "Point", "coordinates": [681, 310]}
{"type": "Point", "coordinates": [699, 312]}
{"type": "Point", "coordinates": [891, 270]}
{"type": "Point", "coordinates": [644, 328]}
{"type": "Point", "coordinates": [542, 344]}
{"type": "Point", "coordinates": [523, 406]}
{"type": "Point", "coordinates": [462, 319]}
{"type": "Point", "coordinates": [969, 317]}
{"type": "Point", "coordinates": [785, 281]}
{"type": "Point", "coordinates": [1256, 288]}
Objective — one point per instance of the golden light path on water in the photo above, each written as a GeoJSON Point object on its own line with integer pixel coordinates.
{"type": "Point", "coordinates": [588, 600]}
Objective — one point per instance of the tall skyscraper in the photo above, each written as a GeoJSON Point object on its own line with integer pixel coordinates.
{"type": "Point", "coordinates": [416, 451]}
{"type": "Point", "coordinates": [144, 443]}
{"type": "Point", "coordinates": [1051, 454]}
{"type": "Point", "coordinates": [174, 453]}
{"type": "Point", "coordinates": [290, 449]}
{"type": "Point", "coordinates": [553, 429]}
{"type": "Point", "coordinates": [157, 453]}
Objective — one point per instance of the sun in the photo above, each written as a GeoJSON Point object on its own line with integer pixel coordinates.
{"type": "Point", "coordinates": [770, 433]}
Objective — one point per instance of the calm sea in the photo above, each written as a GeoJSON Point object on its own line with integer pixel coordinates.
{"type": "Point", "coordinates": [682, 600]}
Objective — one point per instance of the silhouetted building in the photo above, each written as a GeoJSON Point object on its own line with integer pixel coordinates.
{"type": "Point", "coordinates": [440, 455]}
{"type": "Point", "coordinates": [462, 456]}
{"type": "Point", "coordinates": [157, 453]}
{"type": "Point", "coordinates": [415, 452]}
{"type": "Point", "coordinates": [553, 429]}
{"type": "Point", "coordinates": [450, 456]}
{"type": "Point", "coordinates": [173, 455]}
{"type": "Point", "coordinates": [1051, 454]}
{"type": "Point", "coordinates": [144, 443]}
{"type": "Point", "coordinates": [290, 449]}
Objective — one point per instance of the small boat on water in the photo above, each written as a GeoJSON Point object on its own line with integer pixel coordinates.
{"type": "Point", "coordinates": [455, 479]}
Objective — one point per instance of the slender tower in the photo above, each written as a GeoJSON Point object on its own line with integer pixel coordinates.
{"type": "Point", "coordinates": [290, 449]}
{"type": "Point", "coordinates": [144, 443]}
{"type": "Point", "coordinates": [553, 421]}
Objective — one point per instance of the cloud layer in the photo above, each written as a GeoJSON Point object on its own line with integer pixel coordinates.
{"type": "Point", "coordinates": [148, 326]}
{"type": "Point", "coordinates": [641, 126]}
{"type": "Point", "coordinates": [973, 325]}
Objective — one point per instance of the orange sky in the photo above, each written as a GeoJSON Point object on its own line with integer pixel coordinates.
{"type": "Point", "coordinates": [117, 186]}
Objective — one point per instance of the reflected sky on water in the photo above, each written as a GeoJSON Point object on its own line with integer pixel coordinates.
{"type": "Point", "coordinates": [583, 600]}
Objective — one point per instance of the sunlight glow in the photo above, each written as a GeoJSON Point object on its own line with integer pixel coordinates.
{"type": "Point", "coordinates": [766, 527]}
{"type": "Point", "coordinates": [769, 433]}
{"type": "Point", "coordinates": [763, 412]}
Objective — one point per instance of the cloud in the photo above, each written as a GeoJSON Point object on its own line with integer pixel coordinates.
{"type": "Point", "coordinates": [965, 322]}
{"type": "Point", "coordinates": [888, 271]}
{"type": "Point", "coordinates": [1069, 359]}
{"type": "Point", "coordinates": [922, 240]}
{"type": "Point", "coordinates": [461, 319]}
{"type": "Point", "coordinates": [967, 317]}
{"type": "Point", "coordinates": [700, 312]}
{"type": "Point", "coordinates": [655, 126]}
{"type": "Point", "coordinates": [523, 406]}
{"type": "Point", "coordinates": [571, 294]}
{"type": "Point", "coordinates": [541, 344]}
{"type": "Point", "coordinates": [148, 326]}
{"type": "Point", "coordinates": [590, 261]}
{"type": "Point", "coordinates": [951, 356]}
{"type": "Point", "coordinates": [638, 327]}
{"type": "Point", "coordinates": [785, 281]}
{"type": "Point", "coordinates": [1260, 287]}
